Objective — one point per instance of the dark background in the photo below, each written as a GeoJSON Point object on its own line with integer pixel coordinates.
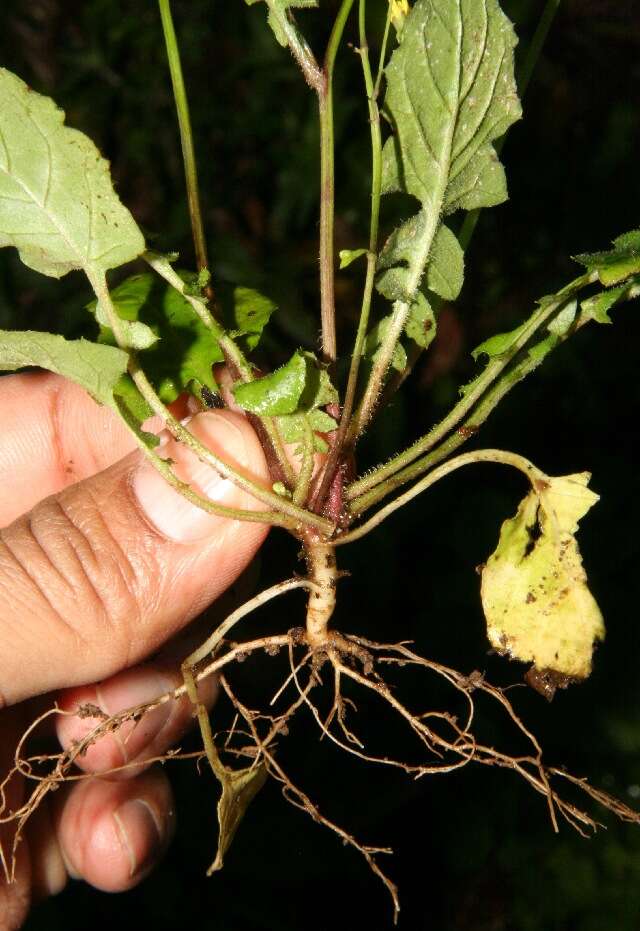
{"type": "Point", "coordinates": [474, 850]}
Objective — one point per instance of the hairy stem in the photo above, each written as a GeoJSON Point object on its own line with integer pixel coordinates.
{"type": "Point", "coordinates": [379, 370]}
{"type": "Point", "coordinates": [278, 503]}
{"type": "Point", "coordinates": [327, 187]}
{"type": "Point", "coordinates": [477, 389]}
{"type": "Point", "coordinates": [376, 183]}
{"type": "Point", "coordinates": [298, 46]}
{"type": "Point", "coordinates": [510, 377]}
{"type": "Point", "coordinates": [480, 455]}
{"type": "Point", "coordinates": [234, 358]}
{"type": "Point", "coordinates": [186, 138]}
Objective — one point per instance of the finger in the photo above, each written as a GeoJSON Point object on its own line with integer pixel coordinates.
{"type": "Point", "coordinates": [53, 434]}
{"type": "Point", "coordinates": [15, 897]}
{"type": "Point", "coordinates": [134, 741]}
{"type": "Point", "coordinates": [111, 834]}
{"type": "Point", "coordinates": [93, 579]}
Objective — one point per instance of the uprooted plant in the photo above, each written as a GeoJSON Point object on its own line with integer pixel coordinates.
{"type": "Point", "coordinates": [445, 85]}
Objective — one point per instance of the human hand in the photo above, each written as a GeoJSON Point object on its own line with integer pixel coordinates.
{"type": "Point", "coordinates": [101, 563]}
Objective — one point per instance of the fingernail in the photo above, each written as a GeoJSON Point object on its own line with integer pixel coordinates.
{"type": "Point", "coordinates": [167, 510]}
{"type": "Point", "coordinates": [140, 833]}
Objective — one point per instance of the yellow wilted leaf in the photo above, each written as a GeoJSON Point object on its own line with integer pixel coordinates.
{"type": "Point", "coordinates": [534, 593]}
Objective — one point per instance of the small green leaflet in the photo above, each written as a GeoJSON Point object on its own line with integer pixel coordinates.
{"type": "Point", "coordinates": [278, 9]}
{"type": "Point", "coordinates": [98, 369]}
{"type": "Point", "coordinates": [534, 592]}
{"type": "Point", "coordinates": [597, 306]}
{"type": "Point", "coordinates": [420, 327]}
{"type": "Point", "coordinates": [421, 322]}
{"type": "Point", "coordinates": [347, 256]}
{"type": "Point", "coordinates": [450, 93]}
{"type": "Point", "coordinates": [245, 313]}
{"type": "Point", "coordinates": [179, 348]}
{"type": "Point", "coordinates": [57, 202]}
{"type": "Point", "coordinates": [502, 344]}
{"type": "Point", "coordinates": [295, 391]}
{"type": "Point", "coordinates": [617, 264]}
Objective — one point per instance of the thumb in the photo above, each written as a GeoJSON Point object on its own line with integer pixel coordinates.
{"type": "Point", "coordinates": [95, 578]}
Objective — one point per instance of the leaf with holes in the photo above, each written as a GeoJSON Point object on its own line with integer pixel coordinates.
{"type": "Point", "coordinates": [534, 588]}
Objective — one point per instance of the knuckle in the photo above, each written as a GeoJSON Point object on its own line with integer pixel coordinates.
{"type": "Point", "coordinates": [74, 569]}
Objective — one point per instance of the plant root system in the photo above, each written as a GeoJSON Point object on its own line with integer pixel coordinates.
{"type": "Point", "coordinates": [446, 741]}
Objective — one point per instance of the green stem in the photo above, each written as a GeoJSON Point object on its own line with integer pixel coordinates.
{"type": "Point", "coordinates": [327, 187]}
{"type": "Point", "coordinates": [186, 137]}
{"type": "Point", "coordinates": [473, 421]}
{"type": "Point", "coordinates": [472, 395]}
{"type": "Point", "coordinates": [523, 78]}
{"type": "Point", "coordinates": [376, 184]}
{"type": "Point", "coordinates": [379, 370]}
{"type": "Point", "coordinates": [181, 433]}
{"type": "Point", "coordinates": [481, 455]}
{"type": "Point", "coordinates": [383, 54]}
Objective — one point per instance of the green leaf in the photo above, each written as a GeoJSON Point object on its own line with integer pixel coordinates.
{"type": "Point", "coordinates": [98, 369]}
{"type": "Point", "coordinates": [277, 393]}
{"type": "Point", "coordinates": [293, 394]}
{"type": "Point", "coordinates": [292, 427]}
{"type": "Point", "coordinates": [184, 349]}
{"type": "Point", "coordinates": [534, 592]}
{"type": "Point", "coordinates": [347, 256]}
{"type": "Point", "coordinates": [499, 344]}
{"type": "Point", "coordinates": [128, 398]}
{"type": "Point", "coordinates": [57, 202]}
{"type": "Point", "coordinates": [421, 322]}
{"type": "Point", "coordinates": [618, 263]}
{"type": "Point", "coordinates": [179, 348]}
{"type": "Point", "coordinates": [245, 312]}
{"type": "Point", "coordinates": [502, 344]}
{"type": "Point", "coordinates": [450, 93]}
{"type": "Point", "coordinates": [597, 306]}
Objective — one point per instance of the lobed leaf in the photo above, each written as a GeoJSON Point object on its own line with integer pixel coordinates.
{"type": "Point", "coordinates": [98, 369]}
{"type": "Point", "coordinates": [534, 593]}
{"type": "Point", "coordinates": [57, 202]}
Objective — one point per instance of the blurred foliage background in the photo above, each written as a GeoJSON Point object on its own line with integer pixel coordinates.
{"type": "Point", "coordinates": [474, 850]}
